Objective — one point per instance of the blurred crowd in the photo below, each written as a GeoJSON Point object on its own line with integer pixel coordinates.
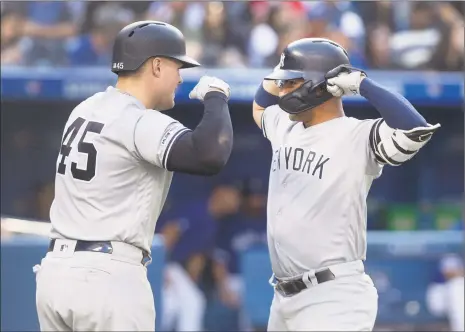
{"type": "Point", "coordinates": [204, 242]}
{"type": "Point", "coordinates": [378, 34]}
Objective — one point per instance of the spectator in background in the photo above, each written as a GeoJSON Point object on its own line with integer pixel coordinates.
{"type": "Point", "coordinates": [48, 25]}
{"type": "Point", "coordinates": [447, 299]}
{"type": "Point", "coordinates": [289, 19]}
{"type": "Point", "coordinates": [214, 34]}
{"type": "Point", "coordinates": [380, 13]}
{"type": "Point", "coordinates": [380, 35]}
{"type": "Point", "coordinates": [450, 52]}
{"type": "Point", "coordinates": [434, 40]}
{"type": "Point", "coordinates": [377, 47]}
{"type": "Point", "coordinates": [94, 48]}
{"type": "Point", "coordinates": [263, 40]}
{"type": "Point", "coordinates": [189, 229]}
{"type": "Point", "coordinates": [78, 10]}
{"type": "Point", "coordinates": [223, 205]}
{"type": "Point", "coordinates": [379, 21]}
{"type": "Point", "coordinates": [192, 283]}
{"type": "Point", "coordinates": [12, 42]}
{"type": "Point", "coordinates": [338, 21]}
{"type": "Point", "coordinates": [219, 39]}
{"type": "Point", "coordinates": [234, 237]}
{"type": "Point", "coordinates": [138, 8]}
{"type": "Point", "coordinates": [183, 301]}
{"type": "Point", "coordinates": [188, 17]}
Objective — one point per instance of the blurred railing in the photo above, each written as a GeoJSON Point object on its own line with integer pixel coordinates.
{"type": "Point", "coordinates": [421, 88]}
{"type": "Point", "coordinates": [401, 264]}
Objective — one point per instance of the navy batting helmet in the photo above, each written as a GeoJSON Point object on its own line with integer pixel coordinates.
{"type": "Point", "coordinates": [142, 40]}
{"type": "Point", "coordinates": [309, 59]}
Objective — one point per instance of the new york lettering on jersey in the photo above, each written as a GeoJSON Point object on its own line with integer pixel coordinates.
{"type": "Point", "coordinates": [303, 160]}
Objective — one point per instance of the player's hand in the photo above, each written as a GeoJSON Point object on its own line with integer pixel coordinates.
{"type": "Point", "coordinates": [344, 80]}
{"type": "Point", "coordinates": [207, 84]}
{"type": "Point", "coordinates": [229, 298]}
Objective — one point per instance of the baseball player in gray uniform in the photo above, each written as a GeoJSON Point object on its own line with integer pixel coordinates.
{"type": "Point", "coordinates": [114, 170]}
{"type": "Point", "coordinates": [322, 168]}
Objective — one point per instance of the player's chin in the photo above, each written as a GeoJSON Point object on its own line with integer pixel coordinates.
{"type": "Point", "coordinates": [294, 117]}
{"type": "Point", "coordinates": [169, 104]}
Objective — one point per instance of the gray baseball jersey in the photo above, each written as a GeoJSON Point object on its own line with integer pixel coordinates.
{"type": "Point", "coordinates": [319, 180]}
{"type": "Point", "coordinates": [111, 181]}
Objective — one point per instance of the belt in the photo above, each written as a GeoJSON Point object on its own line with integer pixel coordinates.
{"type": "Point", "coordinates": [105, 247]}
{"type": "Point", "coordinates": [293, 287]}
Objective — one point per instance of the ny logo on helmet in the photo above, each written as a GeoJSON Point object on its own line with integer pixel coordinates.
{"type": "Point", "coordinates": [281, 61]}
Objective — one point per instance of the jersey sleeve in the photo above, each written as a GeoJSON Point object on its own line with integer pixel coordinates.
{"type": "Point", "coordinates": [154, 136]}
{"type": "Point", "coordinates": [365, 133]}
{"type": "Point", "coordinates": [273, 119]}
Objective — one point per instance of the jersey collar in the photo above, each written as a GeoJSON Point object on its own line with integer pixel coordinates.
{"type": "Point", "coordinates": [112, 88]}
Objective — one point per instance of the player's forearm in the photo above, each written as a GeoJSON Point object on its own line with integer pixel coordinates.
{"type": "Point", "coordinates": [213, 137]}
{"type": "Point", "coordinates": [205, 150]}
{"type": "Point", "coordinates": [397, 111]}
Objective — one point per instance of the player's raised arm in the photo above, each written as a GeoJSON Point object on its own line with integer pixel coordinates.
{"type": "Point", "coordinates": [266, 95]}
{"type": "Point", "coordinates": [401, 132]}
{"type": "Point", "coordinates": [206, 149]}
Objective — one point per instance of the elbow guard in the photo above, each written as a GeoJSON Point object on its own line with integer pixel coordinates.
{"type": "Point", "coordinates": [396, 146]}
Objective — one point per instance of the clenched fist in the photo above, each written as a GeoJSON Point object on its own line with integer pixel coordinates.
{"type": "Point", "coordinates": [344, 81]}
{"type": "Point", "coordinates": [207, 84]}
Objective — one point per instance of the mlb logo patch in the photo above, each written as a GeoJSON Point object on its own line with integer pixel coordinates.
{"type": "Point", "coordinates": [281, 60]}
{"type": "Point", "coordinates": [64, 248]}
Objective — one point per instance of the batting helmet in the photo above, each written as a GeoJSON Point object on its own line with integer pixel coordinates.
{"type": "Point", "coordinates": [142, 40]}
{"type": "Point", "coordinates": [309, 59]}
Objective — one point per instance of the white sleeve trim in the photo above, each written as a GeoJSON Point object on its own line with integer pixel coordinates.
{"type": "Point", "coordinates": [263, 124]}
{"type": "Point", "coordinates": [170, 145]}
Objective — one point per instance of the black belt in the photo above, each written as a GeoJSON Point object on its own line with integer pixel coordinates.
{"type": "Point", "coordinates": [293, 287]}
{"type": "Point", "coordinates": [99, 246]}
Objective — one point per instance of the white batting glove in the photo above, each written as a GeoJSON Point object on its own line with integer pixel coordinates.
{"type": "Point", "coordinates": [344, 81]}
{"type": "Point", "coordinates": [207, 84]}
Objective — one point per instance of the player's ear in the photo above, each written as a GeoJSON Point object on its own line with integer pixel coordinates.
{"type": "Point", "coordinates": [156, 67]}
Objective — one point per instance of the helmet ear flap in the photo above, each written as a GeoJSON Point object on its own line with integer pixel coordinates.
{"type": "Point", "coordinates": [306, 88]}
{"type": "Point", "coordinates": [320, 89]}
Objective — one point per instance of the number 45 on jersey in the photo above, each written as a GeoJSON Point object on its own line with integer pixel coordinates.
{"type": "Point", "coordinates": [87, 148]}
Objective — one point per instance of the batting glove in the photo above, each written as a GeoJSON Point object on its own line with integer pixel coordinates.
{"type": "Point", "coordinates": [344, 81]}
{"type": "Point", "coordinates": [207, 84]}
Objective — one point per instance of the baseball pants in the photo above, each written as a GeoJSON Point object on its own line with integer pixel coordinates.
{"type": "Point", "coordinates": [91, 291]}
{"type": "Point", "coordinates": [347, 303]}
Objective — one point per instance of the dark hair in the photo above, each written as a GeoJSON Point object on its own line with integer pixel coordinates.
{"type": "Point", "coordinates": [127, 73]}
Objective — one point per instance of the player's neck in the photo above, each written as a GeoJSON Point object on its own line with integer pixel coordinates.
{"type": "Point", "coordinates": [323, 113]}
{"type": "Point", "coordinates": [321, 119]}
{"type": "Point", "coordinates": [137, 90]}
